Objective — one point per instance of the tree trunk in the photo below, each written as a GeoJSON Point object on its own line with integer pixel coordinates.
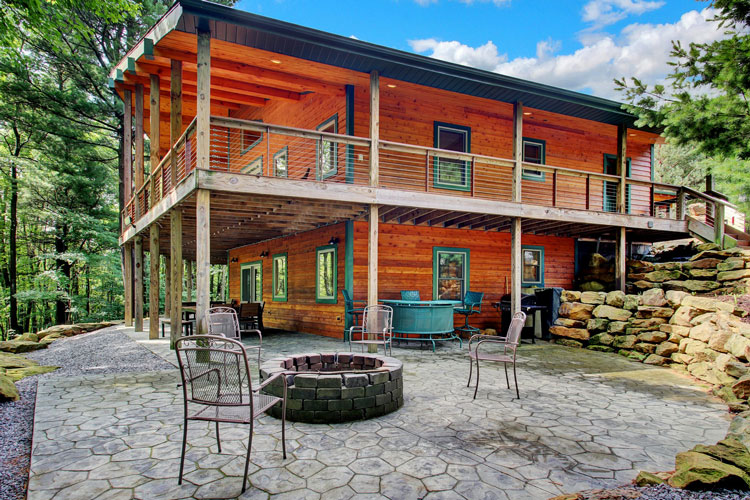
{"type": "Point", "coordinates": [64, 267]}
{"type": "Point", "coordinates": [13, 251]}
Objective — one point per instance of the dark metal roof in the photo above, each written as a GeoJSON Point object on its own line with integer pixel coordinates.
{"type": "Point", "coordinates": [264, 33]}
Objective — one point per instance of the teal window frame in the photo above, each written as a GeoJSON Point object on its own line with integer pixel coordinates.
{"type": "Point", "coordinates": [539, 283]}
{"type": "Point", "coordinates": [605, 197]}
{"type": "Point", "coordinates": [245, 148]}
{"type": "Point", "coordinates": [283, 152]}
{"type": "Point", "coordinates": [530, 174]}
{"type": "Point", "coordinates": [436, 251]}
{"type": "Point", "coordinates": [466, 172]}
{"type": "Point", "coordinates": [274, 296]}
{"type": "Point", "coordinates": [318, 297]}
{"type": "Point", "coordinates": [319, 175]}
{"type": "Point", "coordinates": [245, 265]}
{"type": "Point", "coordinates": [251, 165]}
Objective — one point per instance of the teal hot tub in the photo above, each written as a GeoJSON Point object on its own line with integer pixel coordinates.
{"type": "Point", "coordinates": [423, 320]}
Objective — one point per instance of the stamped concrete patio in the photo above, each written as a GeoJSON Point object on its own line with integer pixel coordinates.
{"type": "Point", "coordinates": [584, 420]}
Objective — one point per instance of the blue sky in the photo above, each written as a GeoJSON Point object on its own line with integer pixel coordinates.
{"type": "Point", "coordinates": [577, 45]}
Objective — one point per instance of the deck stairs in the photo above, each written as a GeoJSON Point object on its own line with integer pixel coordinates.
{"type": "Point", "coordinates": [733, 237]}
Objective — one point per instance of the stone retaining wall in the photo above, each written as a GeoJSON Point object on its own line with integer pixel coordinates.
{"type": "Point", "coordinates": [705, 336]}
{"type": "Point", "coordinates": [372, 386]}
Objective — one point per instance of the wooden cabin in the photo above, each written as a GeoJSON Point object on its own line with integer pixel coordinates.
{"type": "Point", "coordinates": [311, 163]}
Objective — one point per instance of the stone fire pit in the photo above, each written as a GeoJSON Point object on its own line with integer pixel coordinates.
{"type": "Point", "coordinates": [336, 387]}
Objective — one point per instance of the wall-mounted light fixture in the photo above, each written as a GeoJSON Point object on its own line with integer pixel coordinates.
{"type": "Point", "coordinates": [234, 260]}
{"type": "Point", "coordinates": [333, 241]}
{"type": "Point", "coordinates": [263, 254]}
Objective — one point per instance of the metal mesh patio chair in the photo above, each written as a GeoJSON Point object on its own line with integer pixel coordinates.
{"type": "Point", "coordinates": [216, 387]}
{"type": "Point", "coordinates": [508, 355]}
{"type": "Point", "coordinates": [223, 322]}
{"type": "Point", "coordinates": [410, 295]}
{"type": "Point", "coordinates": [351, 309]}
{"type": "Point", "coordinates": [472, 304]}
{"type": "Point", "coordinates": [376, 329]}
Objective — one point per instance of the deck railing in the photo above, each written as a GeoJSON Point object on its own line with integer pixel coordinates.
{"type": "Point", "coordinates": [267, 150]}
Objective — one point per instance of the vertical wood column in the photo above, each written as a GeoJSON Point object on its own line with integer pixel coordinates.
{"type": "Point", "coordinates": [203, 114]}
{"type": "Point", "coordinates": [719, 214]}
{"type": "Point", "coordinates": [681, 204]}
{"type": "Point", "coordinates": [372, 265]}
{"type": "Point", "coordinates": [175, 257]}
{"type": "Point", "coordinates": [517, 151]}
{"type": "Point", "coordinates": [622, 168]}
{"type": "Point", "coordinates": [202, 258]}
{"type": "Point", "coordinates": [516, 265]}
{"type": "Point", "coordinates": [153, 290]}
{"type": "Point", "coordinates": [127, 149]}
{"type": "Point", "coordinates": [372, 241]}
{"type": "Point", "coordinates": [374, 128]}
{"type": "Point", "coordinates": [128, 282]}
{"type": "Point", "coordinates": [620, 259]}
{"type": "Point", "coordinates": [189, 280]}
{"type": "Point", "coordinates": [138, 281]}
{"type": "Point", "coordinates": [175, 112]}
{"type": "Point", "coordinates": [139, 176]}
{"type": "Point", "coordinates": [154, 135]}
{"type": "Point", "coordinates": [167, 285]}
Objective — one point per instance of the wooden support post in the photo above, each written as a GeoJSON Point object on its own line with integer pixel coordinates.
{"type": "Point", "coordinates": [154, 137]}
{"type": "Point", "coordinates": [139, 175]}
{"type": "Point", "coordinates": [517, 151]}
{"type": "Point", "coordinates": [516, 265]}
{"type": "Point", "coordinates": [138, 282]}
{"type": "Point", "coordinates": [175, 250]}
{"type": "Point", "coordinates": [620, 259]}
{"type": "Point", "coordinates": [374, 129]}
{"type": "Point", "coordinates": [128, 282]}
{"type": "Point", "coordinates": [202, 258]}
{"type": "Point", "coordinates": [175, 112]}
{"type": "Point", "coordinates": [719, 213]}
{"type": "Point", "coordinates": [622, 168]}
{"type": "Point", "coordinates": [652, 198]}
{"type": "Point", "coordinates": [167, 285]}
{"type": "Point", "coordinates": [588, 192]}
{"type": "Point", "coordinates": [554, 188]}
{"type": "Point", "coordinates": [681, 205]}
{"type": "Point", "coordinates": [203, 113]}
{"type": "Point", "coordinates": [189, 280]}
{"type": "Point", "coordinates": [153, 290]}
{"type": "Point", "coordinates": [372, 261]}
{"type": "Point", "coordinates": [127, 145]}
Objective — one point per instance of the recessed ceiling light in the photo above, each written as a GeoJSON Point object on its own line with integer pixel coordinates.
{"type": "Point", "coordinates": [527, 113]}
{"type": "Point", "coordinates": [391, 86]}
{"type": "Point", "coordinates": [631, 135]}
{"type": "Point", "coordinates": [275, 61]}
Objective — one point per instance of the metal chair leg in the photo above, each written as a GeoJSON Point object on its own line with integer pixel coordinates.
{"type": "Point", "coordinates": [182, 455]}
{"type": "Point", "coordinates": [283, 428]}
{"type": "Point", "coordinates": [471, 368]}
{"type": "Point", "coordinates": [247, 457]}
{"type": "Point", "coordinates": [518, 395]}
{"type": "Point", "coordinates": [505, 366]}
{"type": "Point", "coordinates": [477, 387]}
{"type": "Point", "coordinates": [218, 439]}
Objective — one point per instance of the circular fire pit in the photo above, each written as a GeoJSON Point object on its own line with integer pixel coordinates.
{"type": "Point", "coordinates": [335, 387]}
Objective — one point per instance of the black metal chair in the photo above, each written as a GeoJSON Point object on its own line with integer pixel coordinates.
{"type": "Point", "coordinates": [509, 343]}
{"type": "Point", "coordinates": [410, 295]}
{"type": "Point", "coordinates": [351, 310]}
{"type": "Point", "coordinates": [472, 304]}
{"type": "Point", "coordinates": [216, 387]}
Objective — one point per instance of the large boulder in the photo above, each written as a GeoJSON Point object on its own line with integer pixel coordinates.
{"type": "Point", "coordinates": [8, 360]}
{"type": "Point", "coordinates": [654, 337]}
{"type": "Point", "coordinates": [570, 323]}
{"type": "Point", "coordinates": [576, 310]}
{"type": "Point", "coordinates": [573, 333]}
{"type": "Point", "coordinates": [676, 330]}
{"type": "Point", "coordinates": [729, 450]}
{"type": "Point", "coordinates": [702, 332]}
{"type": "Point", "coordinates": [595, 298]}
{"type": "Point", "coordinates": [675, 297]}
{"type": "Point", "coordinates": [702, 273]}
{"type": "Point", "coordinates": [731, 264]}
{"type": "Point", "coordinates": [602, 339]}
{"type": "Point", "coordinates": [733, 275]}
{"type": "Point", "coordinates": [718, 341]}
{"type": "Point", "coordinates": [593, 286]}
{"type": "Point", "coordinates": [707, 304]}
{"type": "Point", "coordinates": [738, 346]}
{"type": "Point", "coordinates": [28, 337]}
{"type": "Point", "coordinates": [691, 285]}
{"type": "Point", "coordinates": [666, 349]}
{"type": "Point", "coordinates": [597, 324]}
{"type": "Point", "coordinates": [19, 346]}
{"type": "Point", "coordinates": [570, 296]}
{"type": "Point", "coordinates": [664, 275]}
{"type": "Point", "coordinates": [645, 285]}
{"type": "Point", "coordinates": [741, 388]}
{"type": "Point", "coordinates": [17, 374]}
{"type": "Point", "coordinates": [653, 297]}
{"type": "Point", "coordinates": [655, 359]}
{"type": "Point", "coordinates": [8, 391]}
{"type": "Point", "coordinates": [708, 263]}
{"type": "Point", "coordinates": [737, 369]}
{"type": "Point", "coordinates": [617, 326]}
{"type": "Point", "coordinates": [615, 298]}
{"type": "Point", "coordinates": [612, 313]}
{"type": "Point", "coordinates": [631, 302]}
{"type": "Point", "coordinates": [640, 266]}
{"type": "Point", "coordinates": [683, 315]}
{"type": "Point", "coordinates": [696, 469]}
{"type": "Point", "coordinates": [65, 330]}
{"type": "Point", "coordinates": [739, 429]}
{"type": "Point", "coordinates": [645, 347]}
{"type": "Point", "coordinates": [650, 323]}
{"type": "Point", "coordinates": [654, 312]}
{"type": "Point", "coordinates": [624, 342]}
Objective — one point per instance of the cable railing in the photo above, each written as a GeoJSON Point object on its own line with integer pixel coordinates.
{"type": "Point", "coordinates": [260, 149]}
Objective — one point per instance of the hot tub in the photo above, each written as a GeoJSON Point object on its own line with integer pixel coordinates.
{"type": "Point", "coordinates": [423, 320]}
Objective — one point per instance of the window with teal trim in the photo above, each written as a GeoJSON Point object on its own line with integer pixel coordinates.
{"type": "Point", "coordinates": [280, 277]}
{"type": "Point", "coordinates": [281, 163]}
{"type": "Point", "coordinates": [449, 173]}
{"type": "Point", "coordinates": [532, 258]}
{"type": "Point", "coordinates": [255, 167]}
{"type": "Point", "coordinates": [609, 202]}
{"type": "Point", "coordinates": [327, 150]}
{"type": "Point", "coordinates": [450, 273]}
{"type": "Point", "coordinates": [249, 139]}
{"type": "Point", "coordinates": [534, 151]}
{"type": "Point", "coordinates": [325, 274]}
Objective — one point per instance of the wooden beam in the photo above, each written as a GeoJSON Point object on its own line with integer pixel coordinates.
{"type": "Point", "coordinates": [167, 284]}
{"type": "Point", "coordinates": [127, 144]}
{"type": "Point", "coordinates": [428, 216]}
{"type": "Point", "coordinates": [681, 205]}
{"type": "Point", "coordinates": [622, 168]}
{"type": "Point", "coordinates": [516, 265]}
{"type": "Point", "coordinates": [202, 259]}
{"type": "Point", "coordinates": [153, 291]}
{"type": "Point", "coordinates": [155, 154]}
{"type": "Point", "coordinates": [128, 282]}
{"type": "Point", "coordinates": [372, 263]}
{"type": "Point", "coordinates": [175, 112]}
{"type": "Point", "coordinates": [175, 250]}
{"type": "Point", "coordinates": [138, 282]}
{"type": "Point", "coordinates": [620, 259]}
{"type": "Point", "coordinates": [517, 151]}
{"type": "Point", "coordinates": [374, 128]}
{"type": "Point", "coordinates": [203, 117]}
{"type": "Point", "coordinates": [139, 174]}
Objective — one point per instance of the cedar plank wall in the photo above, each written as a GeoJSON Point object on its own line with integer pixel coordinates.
{"type": "Point", "coordinates": [405, 262]}
{"type": "Point", "coordinates": [300, 312]}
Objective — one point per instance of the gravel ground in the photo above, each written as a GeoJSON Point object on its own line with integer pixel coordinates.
{"type": "Point", "coordinates": [662, 492]}
{"type": "Point", "coordinates": [103, 351]}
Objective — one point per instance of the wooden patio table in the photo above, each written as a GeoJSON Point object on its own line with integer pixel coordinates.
{"type": "Point", "coordinates": [423, 320]}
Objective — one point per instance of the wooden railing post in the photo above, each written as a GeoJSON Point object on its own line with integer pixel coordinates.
{"type": "Point", "coordinates": [681, 205]}
{"type": "Point", "coordinates": [202, 258]}
{"type": "Point", "coordinates": [175, 113]}
{"type": "Point", "coordinates": [139, 174]}
{"type": "Point", "coordinates": [154, 103]}
{"type": "Point", "coordinates": [517, 151]}
{"type": "Point", "coordinates": [175, 250]}
{"type": "Point", "coordinates": [719, 214]}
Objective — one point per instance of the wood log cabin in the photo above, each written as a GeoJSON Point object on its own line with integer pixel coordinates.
{"type": "Point", "coordinates": [311, 163]}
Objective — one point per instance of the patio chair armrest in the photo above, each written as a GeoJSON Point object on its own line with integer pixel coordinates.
{"type": "Point", "coordinates": [260, 335]}
{"type": "Point", "coordinates": [360, 301]}
{"type": "Point", "coordinates": [271, 379]}
{"type": "Point", "coordinates": [480, 338]}
{"type": "Point", "coordinates": [205, 373]}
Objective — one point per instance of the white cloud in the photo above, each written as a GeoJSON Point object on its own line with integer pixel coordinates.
{"type": "Point", "coordinates": [605, 12]}
{"type": "Point", "coordinates": [641, 50]}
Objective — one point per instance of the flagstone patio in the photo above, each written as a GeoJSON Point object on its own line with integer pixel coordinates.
{"type": "Point", "coordinates": [584, 420]}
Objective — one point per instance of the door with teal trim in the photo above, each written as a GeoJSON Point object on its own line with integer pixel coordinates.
{"type": "Point", "coordinates": [251, 283]}
{"type": "Point", "coordinates": [609, 189]}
